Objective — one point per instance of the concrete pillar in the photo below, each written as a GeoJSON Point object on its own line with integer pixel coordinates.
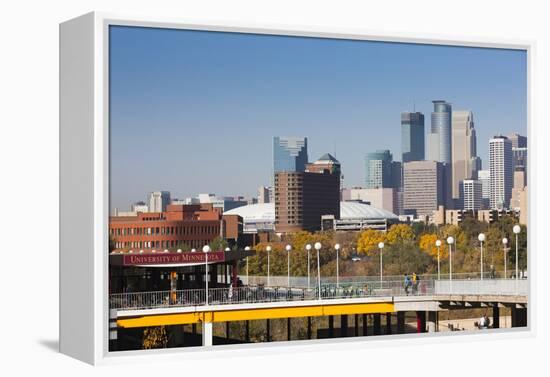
{"type": "Point", "coordinates": [288, 329]}
{"type": "Point", "coordinates": [365, 325]}
{"type": "Point", "coordinates": [401, 322]}
{"type": "Point", "coordinates": [343, 325]}
{"type": "Point", "coordinates": [268, 328]}
{"type": "Point", "coordinates": [227, 330]}
{"type": "Point", "coordinates": [309, 327]}
{"type": "Point", "coordinates": [432, 321]}
{"type": "Point", "coordinates": [376, 324]}
{"type": "Point", "coordinates": [519, 317]}
{"type": "Point", "coordinates": [331, 326]}
{"type": "Point", "coordinates": [388, 323]}
{"type": "Point", "coordinates": [194, 328]}
{"type": "Point", "coordinates": [496, 316]}
{"type": "Point", "coordinates": [420, 321]}
{"type": "Point", "coordinates": [207, 334]}
{"type": "Point", "coordinates": [356, 323]}
{"type": "Point", "coordinates": [247, 331]}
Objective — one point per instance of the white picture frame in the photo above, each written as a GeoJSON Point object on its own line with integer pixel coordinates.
{"type": "Point", "coordinates": [84, 185]}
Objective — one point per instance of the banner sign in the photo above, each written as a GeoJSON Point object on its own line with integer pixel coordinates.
{"type": "Point", "coordinates": [171, 258]}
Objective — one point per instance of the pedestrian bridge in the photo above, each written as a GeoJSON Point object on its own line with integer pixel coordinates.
{"type": "Point", "coordinates": [145, 309]}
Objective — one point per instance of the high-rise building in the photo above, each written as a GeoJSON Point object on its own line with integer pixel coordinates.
{"type": "Point", "coordinates": [501, 173]}
{"type": "Point", "coordinates": [439, 137]}
{"type": "Point", "coordinates": [517, 140]}
{"type": "Point", "coordinates": [301, 198]}
{"type": "Point", "coordinates": [483, 176]}
{"type": "Point", "coordinates": [264, 194]}
{"type": "Point", "coordinates": [378, 169]}
{"type": "Point", "coordinates": [158, 200]}
{"type": "Point", "coordinates": [423, 187]}
{"type": "Point", "coordinates": [412, 136]}
{"type": "Point", "coordinates": [471, 194]}
{"type": "Point", "coordinates": [140, 207]}
{"type": "Point", "coordinates": [519, 159]}
{"type": "Point", "coordinates": [465, 161]}
{"type": "Point", "coordinates": [289, 154]}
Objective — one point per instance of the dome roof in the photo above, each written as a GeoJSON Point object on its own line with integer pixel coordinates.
{"type": "Point", "coordinates": [348, 210]}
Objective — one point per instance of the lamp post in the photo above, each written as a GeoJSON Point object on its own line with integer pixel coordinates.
{"type": "Point", "coordinates": [517, 230]}
{"type": "Point", "coordinates": [481, 238]}
{"type": "Point", "coordinates": [247, 248]}
{"type": "Point", "coordinates": [450, 241]}
{"type": "Point", "coordinates": [505, 244]}
{"type": "Point", "coordinates": [318, 247]}
{"type": "Point", "coordinates": [206, 250]}
{"type": "Point", "coordinates": [381, 247]}
{"type": "Point", "coordinates": [227, 249]}
{"type": "Point", "coordinates": [308, 248]}
{"type": "Point", "coordinates": [268, 249]}
{"type": "Point", "coordinates": [438, 245]}
{"type": "Point", "coordinates": [288, 248]}
{"type": "Point", "coordinates": [337, 248]}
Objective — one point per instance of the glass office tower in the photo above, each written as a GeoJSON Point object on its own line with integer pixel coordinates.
{"type": "Point", "coordinates": [289, 154]}
{"type": "Point", "coordinates": [412, 136]}
{"type": "Point", "coordinates": [378, 169]}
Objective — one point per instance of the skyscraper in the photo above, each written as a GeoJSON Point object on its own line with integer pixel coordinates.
{"type": "Point", "coordinates": [378, 169]}
{"type": "Point", "coordinates": [517, 140]}
{"type": "Point", "coordinates": [471, 192]}
{"type": "Point", "coordinates": [423, 187]}
{"type": "Point", "coordinates": [158, 200]}
{"type": "Point", "coordinates": [412, 136]}
{"type": "Point", "coordinates": [501, 173]}
{"type": "Point", "coordinates": [264, 194]}
{"type": "Point", "coordinates": [439, 137]}
{"type": "Point", "coordinates": [289, 154]}
{"type": "Point", "coordinates": [464, 154]}
{"type": "Point", "coordinates": [484, 177]}
{"type": "Point", "coordinates": [301, 198]}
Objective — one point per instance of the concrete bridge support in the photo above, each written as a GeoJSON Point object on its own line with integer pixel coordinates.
{"type": "Point", "coordinates": [420, 321]}
{"type": "Point", "coordinates": [388, 323]}
{"type": "Point", "coordinates": [376, 324]}
{"type": "Point", "coordinates": [344, 325]}
{"type": "Point", "coordinates": [331, 326]}
{"type": "Point", "coordinates": [207, 334]}
{"type": "Point", "coordinates": [519, 317]}
{"type": "Point", "coordinates": [365, 325]}
{"type": "Point", "coordinates": [432, 325]}
{"type": "Point", "coordinates": [401, 322]}
{"type": "Point", "coordinates": [496, 316]}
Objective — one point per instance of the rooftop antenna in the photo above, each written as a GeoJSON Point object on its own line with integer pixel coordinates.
{"type": "Point", "coordinates": [414, 106]}
{"type": "Point", "coordinates": [334, 149]}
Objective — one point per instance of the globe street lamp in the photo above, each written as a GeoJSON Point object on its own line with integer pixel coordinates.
{"type": "Point", "coordinates": [517, 230]}
{"type": "Point", "coordinates": [206, 250]}
{"type": "Point", "coordinates": [227, 249]}
{"type": "Point", "coordinates": [450, 241]}
{"type": "Point", "coordinates": [318, 247]}
{"type": "Point", "coordinates": [247, 248]}
{"type": "Point", "coordinates": [381, 246]}
{"type": "Point", "coordinates": [308, 248]}
{"type": "Point", "coordinates": [505, 244]}
{"type": "Point", "coordinates": [337, 247]}
{"type": "Point", "coordinates": [268, 249]}
{"type": "Point", "coordinates": [481, 238]}
{"type": "Point", "coordinates": [438, 245]}
{"type": "Point", "coordinates": [288, 248]}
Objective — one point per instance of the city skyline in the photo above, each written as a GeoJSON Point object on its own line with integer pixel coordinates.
{"type": "Point", "coordinates": [172, 122]}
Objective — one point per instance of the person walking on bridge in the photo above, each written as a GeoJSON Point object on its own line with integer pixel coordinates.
{"type": "Point", "coordinates": [414, 283]}
{"type": "Point", "coordinates": [406, 284]}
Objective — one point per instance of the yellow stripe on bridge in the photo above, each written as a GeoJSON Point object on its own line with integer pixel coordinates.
{"type": "Point", "coordinates": [254, 314]}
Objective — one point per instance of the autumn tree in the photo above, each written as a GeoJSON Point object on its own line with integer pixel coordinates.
{"type": "Point", "coordinates": [368, 241]}
{"type": "Point", "coordinates": [399, 233]}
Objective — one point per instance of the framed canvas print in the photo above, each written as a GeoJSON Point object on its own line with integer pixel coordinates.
{"type": "Point", "coordinates": [224, 186]}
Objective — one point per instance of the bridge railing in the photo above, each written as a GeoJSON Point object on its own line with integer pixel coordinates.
{"type": "Point", "coordinates": [258, 294]}
{"type": "Point", "coordinates": [495, 287]}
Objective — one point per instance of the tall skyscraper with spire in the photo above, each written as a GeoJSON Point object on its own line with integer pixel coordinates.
{"type": "Point", "coordinates": [465, 163]}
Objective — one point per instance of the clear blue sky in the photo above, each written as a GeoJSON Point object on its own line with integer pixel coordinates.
{"type": "Point", "coordinates": [196, 112]}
